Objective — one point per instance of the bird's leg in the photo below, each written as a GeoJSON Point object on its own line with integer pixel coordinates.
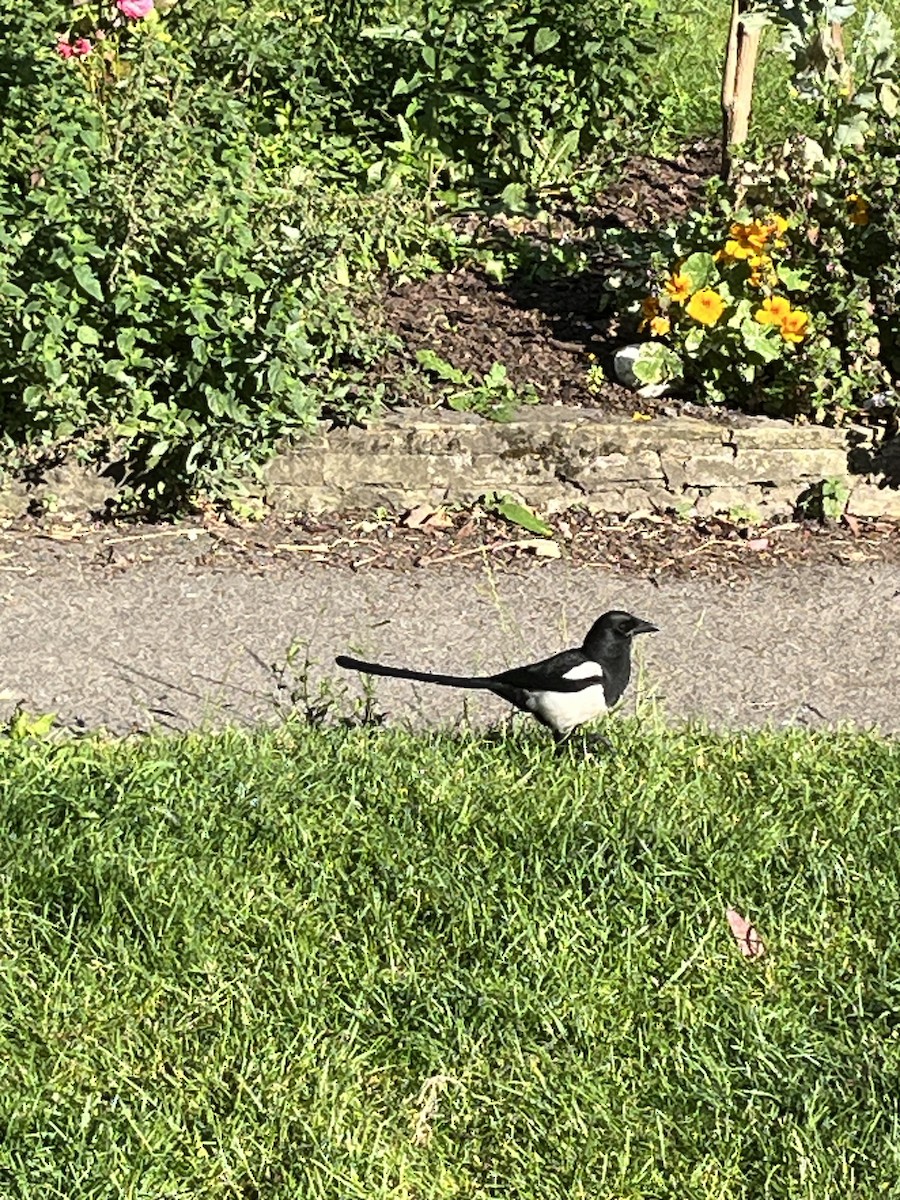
{"type": "Point", "coordinates": [588, 742]}
{"type": "Point", "coordinates": [562, 741]}
{"type": "Point", "coordinates": [594, 739]}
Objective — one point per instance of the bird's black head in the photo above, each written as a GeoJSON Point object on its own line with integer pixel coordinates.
{"type": "Point", "coordinates": [611, 635]}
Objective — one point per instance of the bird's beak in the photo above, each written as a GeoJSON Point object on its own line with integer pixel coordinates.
{"type": "Point", "coordinates": [640, 626]}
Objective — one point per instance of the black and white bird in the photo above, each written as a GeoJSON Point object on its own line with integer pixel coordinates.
{"type": "Point", "coordinates": [563, 691]}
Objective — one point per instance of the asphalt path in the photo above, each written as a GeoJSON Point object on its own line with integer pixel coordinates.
{"type": "Point", "coordinates": [181, 647]}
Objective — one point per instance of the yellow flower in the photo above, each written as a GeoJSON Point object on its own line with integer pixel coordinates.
{"type": "Point", "coordinates": [706, 306]}
{"type": "Point", "coordinates": [778, 226]}
{"type": "Point", "coordinates": [751, 237]}
{"type": "Point", "coordinates": [793, 325]}
{"type": "Point", "coordinates": [774, 310]}
{"type": "Point", "coordinates": [679, 287]}
{"type": "Point", "coordinates": [660, 326]}
{"type": "Point", "coordinates": [760, 269]}
{"type": "Point", "coordinates": [737, 250]}
{"type": "Point", "coordinates": [649, 310]}
{"type": "Point", "coordinates": [859, 210]}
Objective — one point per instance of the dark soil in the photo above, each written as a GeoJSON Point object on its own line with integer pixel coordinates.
{"type": "Point", "coordinates": [547, 331]}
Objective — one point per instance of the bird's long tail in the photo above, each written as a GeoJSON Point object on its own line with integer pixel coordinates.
{"type": "Point", "coordinates": [482, 683]}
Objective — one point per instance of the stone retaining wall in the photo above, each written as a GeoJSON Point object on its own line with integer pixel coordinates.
{"type": "Point", "coordinates": [555, 458]}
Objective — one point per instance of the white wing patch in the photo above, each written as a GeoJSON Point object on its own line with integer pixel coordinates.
{"type": "Point", "coordinates": [564, 711]}
{"type": "Point", "coordinates": [585, 670]}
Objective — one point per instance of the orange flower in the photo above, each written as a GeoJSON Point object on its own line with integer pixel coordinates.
{"type": "Point", "coordinates": [774, 310]}
{"type": "Point", "coordinates": [793, 325]}
{"type": "Point", "coordinates": [660, 326]}
{"type": "Point", "coordinates": [679, 287]}
{"type": "Point", "coordinates": [706, 306]}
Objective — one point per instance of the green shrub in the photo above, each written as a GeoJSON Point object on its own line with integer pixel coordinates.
{"type": "Point", "coordinates": [515, 91]}
{"type": "Point", "coordinates": [167, 284]}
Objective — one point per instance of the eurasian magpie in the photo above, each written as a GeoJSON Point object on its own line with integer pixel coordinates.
{"type": "Point", "coordinates": [563, 691]}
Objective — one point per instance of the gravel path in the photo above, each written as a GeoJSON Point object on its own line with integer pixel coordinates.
{"type": "Point", "coordinates": [174, 647]}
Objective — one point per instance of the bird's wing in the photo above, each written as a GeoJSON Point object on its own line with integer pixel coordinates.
{"type": "Point", "coordinates": [568, 671]}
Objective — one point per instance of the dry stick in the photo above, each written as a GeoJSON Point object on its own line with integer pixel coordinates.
{"type": "Point", "coordinates": [737, 82]}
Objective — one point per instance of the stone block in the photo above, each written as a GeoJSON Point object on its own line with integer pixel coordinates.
{"type": "Point", "coordinates": [556, 457]}
{"type": "Point", "coordinates": [778, 466]}
{"type": "Point", "coordinates": [14, 499]}
{"type": "Point", "coordinates": [752, 502]}
{"type": "Point", "coordinates": [708, 467]}
{"type": "Point", "coordinates": [598, 472]}
{"type": "Point", "coordinates": [74, 487]}
{"type": "Point", "coordinates": [870, 500]}
{"type": "Point", "coordinates": [764, 433]}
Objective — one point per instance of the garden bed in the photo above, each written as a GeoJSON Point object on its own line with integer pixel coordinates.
{"type": "Point", "coordinates": [546, 327]}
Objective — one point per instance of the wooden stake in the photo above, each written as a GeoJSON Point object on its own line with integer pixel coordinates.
{"type": "Point", "coordinates": [737, 82]}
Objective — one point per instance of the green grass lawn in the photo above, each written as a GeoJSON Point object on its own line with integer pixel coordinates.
{"type": "Point", "coordinates": [363, 963]}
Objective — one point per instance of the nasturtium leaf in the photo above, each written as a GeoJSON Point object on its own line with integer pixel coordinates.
{"type": "Point", "coordinates": [700, 269]}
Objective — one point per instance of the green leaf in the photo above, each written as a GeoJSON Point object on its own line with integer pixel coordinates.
{"type": "Point", "coordinates": [429, 57]}
{"type": "Point", "coordinates": [87, 336]}
{"type": "Point", "coordinates": [517, 514]}
{"type": "Point", "coordinates": [656, 363]}
{"type": "Point", "coordinates": [496, 376]}
{"type": "Point", "coordinates": [545, 39]}
{"type": "Point", "coordinates": [87, 280]}
{"type": "Point", "coordinates": [26, 725]}
{"type": "Point", "coordinates": [513, 196]}
{"type": "Point", "coordinates": [888, 97]}
{"type": "Point", "coordinates": [759, 340]}
{"type": "Point", "coordinates": [792, 280]}
{"type": "Point", "coordinates": [440, 367]}
{"type": "Point", "coordinates": [700, 269]}
{"type": "Point", "coordinates": [694, 340]}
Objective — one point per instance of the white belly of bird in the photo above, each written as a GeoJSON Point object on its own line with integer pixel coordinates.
{"type": "Point", "coordinates": [564, 711]}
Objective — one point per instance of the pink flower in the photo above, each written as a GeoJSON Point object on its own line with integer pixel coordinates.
{"type": "Point", "coordinates": [135, 9]}
{"type": "Point", "coordinates": [63, 49]}
{"type": "Point", "coordinates": [82, 47]}
{"type": "Point", "coordinates": [99, 35]}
